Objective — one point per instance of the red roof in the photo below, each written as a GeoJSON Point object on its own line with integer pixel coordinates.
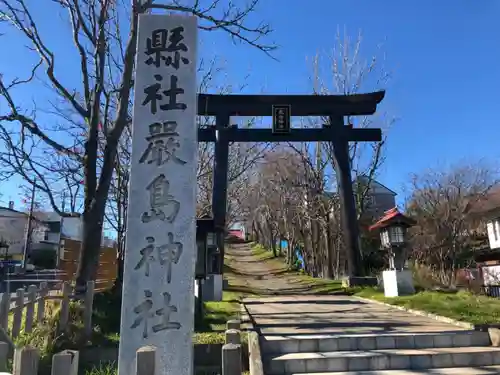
{"type": "Point", "coordinates": [392, 216]}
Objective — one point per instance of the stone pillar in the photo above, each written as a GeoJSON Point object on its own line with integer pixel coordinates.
{"type": "Point", "coordinates": [160, 254]}
{"type": "Point", "coordinates": [231, 359]}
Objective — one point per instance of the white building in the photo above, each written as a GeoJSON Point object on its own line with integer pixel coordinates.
{"type": "Point", "coordinates": [13, 226]}
{"type": "Point", "coordinates": [48, 228]}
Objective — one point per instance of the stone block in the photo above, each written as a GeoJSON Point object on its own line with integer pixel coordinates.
{"type": "Point", "coordinates": [399, 362]}
{"type": "Point", "coordinates": [293, 366]}
{"type": "Point", "coordinates": [316, 365]}
{"type": "Point", "coordinates": [442, 360]}
{"type": "Point", "coordinates": [463, 359]}
{"type": "Point", "coordinates": [233, 336]}
{"type": "Point", "coordinates": [461, 340]}
{"type": "Point", "coordinates": [366, 343]}
{"type": "Point", "coordinates": [234, 324]}
{"type": "Point", "coordinates": [423, 341]}
{"type": "Point", "coordinates": [420, 361]}
{"type": "Point", "coordinates": [347, 343]}
{"type": "Point", "coordinates": [288, 346]}
{"type": "Point", "coordinates": [405, 342]}
{"type": "Point", "coordinates": [328, 345]}
{"type": "Point", "coordinates": [359, 363]}
{"type": "Point", "coordinates": [379, 362]}
{"type": "Point", "coordinates": [479, 338]}
{"type": "Point", "coordinates": [494, 334]}
{"type": "Point", "coordinates": [398, 283]}
{"type": "Point", "coordinates": [386, 342]}
{"type": "Point", "coordinates": [308, 346]}
{"type": "Point", "coordinates": [337, 364]}
{"type": "Point", "coordinates": [443, 340]}
{"type": "Point", "coordinates": [482, 359]}
{"type": "Point", "coordinates": [231, 359]}
{"type": "Point", "coordinates": [275, 367]}
{"type": "Point", "coordinates": [353, 281]}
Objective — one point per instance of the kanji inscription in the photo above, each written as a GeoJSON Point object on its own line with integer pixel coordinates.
{"type": "Point", "coordinates": [160, 200]}
{"type": "Point", "coordinates": [167, 46]}
{"type": "Point", "coordinates": [163, 144]}
{"type": "Point", "coordinates": [166, 254]}
{"type": "Point", "coordinates": [145, 312]}
{"type": "Point", "coordinates": [155, 93]}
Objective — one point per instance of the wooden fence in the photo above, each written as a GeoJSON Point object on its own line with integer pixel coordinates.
{"type": "Point", "coordinates": [31, 306]}
{"type": "Point", "coordinates": [106, 271]}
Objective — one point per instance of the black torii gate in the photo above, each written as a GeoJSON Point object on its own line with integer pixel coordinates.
{"type": "Point", "coordinates": [333, 106]}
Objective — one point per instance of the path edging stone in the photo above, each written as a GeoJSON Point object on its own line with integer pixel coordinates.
{"type": "Point", "coordinates": [439, 318]}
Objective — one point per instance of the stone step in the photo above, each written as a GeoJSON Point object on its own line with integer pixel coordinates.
{"type": "Point", "coordinates": [381, 359]}
{"type": "Point", "coordinates": [331, 343]}
{"type": "Point", "coordinates": [483, 370]}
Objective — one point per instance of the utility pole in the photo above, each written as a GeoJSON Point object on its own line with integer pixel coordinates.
{"type": "Point", "coordinates": [27, 237]}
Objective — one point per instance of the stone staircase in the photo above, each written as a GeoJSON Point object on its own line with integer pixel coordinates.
{"type": "Point", "coordinates": [451, 352]}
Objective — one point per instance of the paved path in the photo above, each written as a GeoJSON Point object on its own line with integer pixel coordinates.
{"type": "Point", "coordinates": [292, 312]}
{"type": "Point", "coordinates": [333, 315]}
{"type": "Point", "coordinates": [270, 277]}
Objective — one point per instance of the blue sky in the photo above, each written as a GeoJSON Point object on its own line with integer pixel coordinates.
{"type": "Point", "coordinates": [443, 56]}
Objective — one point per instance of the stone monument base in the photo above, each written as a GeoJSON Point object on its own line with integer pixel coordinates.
{"type": "Point", "coordinates": [398, 283]}
{"type": "Point", "coordinates": [352, 281]}
{"type": "Point", "coordinates": [212, 288]}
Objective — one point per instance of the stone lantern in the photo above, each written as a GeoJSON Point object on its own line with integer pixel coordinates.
{"type": "Point", "coordinates": [398, 280]}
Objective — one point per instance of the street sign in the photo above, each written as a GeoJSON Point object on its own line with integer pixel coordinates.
{"type": "Point", "coordinates": [281, 119]}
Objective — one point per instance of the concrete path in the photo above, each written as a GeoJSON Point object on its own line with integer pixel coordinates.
{"type": "Point", "coordinates": [246, 272]}
{"type": "Point", "coordinates": [290, 316]}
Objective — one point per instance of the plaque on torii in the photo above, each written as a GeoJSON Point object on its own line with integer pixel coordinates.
{"type": "Point", "coordinates": [281, 108]}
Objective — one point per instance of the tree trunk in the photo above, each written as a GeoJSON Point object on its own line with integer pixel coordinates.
{"type": "Point", "coordinates": [120, 260]}
{"type": "Point", "coordinates": [91, 244]}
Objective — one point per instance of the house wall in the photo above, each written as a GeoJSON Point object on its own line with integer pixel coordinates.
{"type": "Point", "coordinates": [379, 203]}
{"type": "Point", "coordinates": [12, 228]}
{"type": "Point", "coordinates": [491, 275]}
{"type": "Point", "coordinates": [72, 228]}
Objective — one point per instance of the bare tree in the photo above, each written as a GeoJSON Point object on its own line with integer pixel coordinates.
{"type": "Point", "coordinates": [313, 223]}
{"type": "Point", "coordinates": [343, 70]}
{"type": "Point", "coordinates": [97, 111]}
{"type": "Point", "coordinates": [440, 200]}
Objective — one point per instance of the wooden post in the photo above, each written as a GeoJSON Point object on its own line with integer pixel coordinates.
{"type": "Point", "coordinates": [4, 355]}
{"type": "Point", "coordinates": [88, 307]}
{"type": "Point", "coordinates": [65, 363]}
{"type": "Point", "coordinates": [146, 360]}
{"type": "Point", "coordinates": [64, 313]}
{"type": "Point", "coordinates": [4, 311]}
{"type": "Point", "coordinates": [30, 309]}
{"type": "Point", "coordinates": [231, 359]}
{"type": "Point", "coordinates": [42, 295]}
{"type": "Point", "coordinates": [26, 361]}
{"type": "Point", "coordinates": [18, 313]}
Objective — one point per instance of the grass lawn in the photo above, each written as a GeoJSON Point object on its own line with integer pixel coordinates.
{"type": "Point", "coordinates": [462, 306]}
{"type": "Point", "coordinates": [210, 328]}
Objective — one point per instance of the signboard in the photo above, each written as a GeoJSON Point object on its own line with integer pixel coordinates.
{"type": "Point", "coordinates": [160, 254]}
{"type": "Point", "coordinates": [282, 119]}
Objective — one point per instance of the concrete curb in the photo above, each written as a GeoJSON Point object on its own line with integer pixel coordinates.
{"type": "Point", "coordinates": [439, 318]}
{"type": "Point", "coordinates": [246, 321]}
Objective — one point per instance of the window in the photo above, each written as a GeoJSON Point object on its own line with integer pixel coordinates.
{"type": "Point", "coordinates": [397, 235]}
